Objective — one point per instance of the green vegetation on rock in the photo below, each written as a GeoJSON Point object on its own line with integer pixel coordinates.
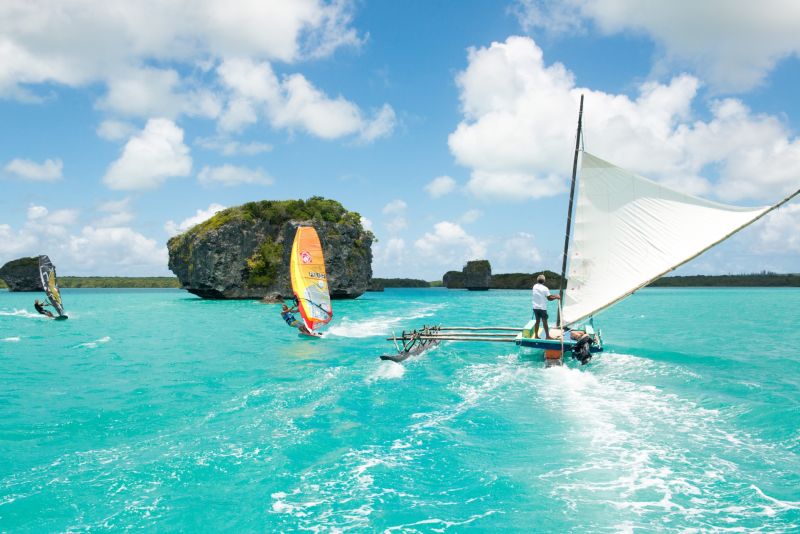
{"type": "Point", "coordinates": [263, 265]}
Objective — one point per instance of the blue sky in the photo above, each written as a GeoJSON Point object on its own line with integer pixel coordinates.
{"type": "Point", "coordinates": [448, 125]}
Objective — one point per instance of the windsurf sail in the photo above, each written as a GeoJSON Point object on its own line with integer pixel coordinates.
{"type": "Point", "coordinates": [309, 281]}
{"type": "Point", "coordinates": [630, 231]}
{"type": "Point", "coordinates": [47, 272]}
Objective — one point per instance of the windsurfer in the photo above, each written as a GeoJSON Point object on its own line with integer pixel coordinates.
{"type": "Point", "coordinates": [541, 294]}
{"type": "Point", "coordinates": [287, 314]}
{"type": "Point", "coordinates": [40, 308]}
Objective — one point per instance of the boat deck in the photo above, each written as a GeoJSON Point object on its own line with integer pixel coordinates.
{"type": "Point", "coordinates": [526, 339]}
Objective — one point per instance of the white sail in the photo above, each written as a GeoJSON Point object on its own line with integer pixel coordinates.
{"type": "Point", "coordinates": [629, 230]}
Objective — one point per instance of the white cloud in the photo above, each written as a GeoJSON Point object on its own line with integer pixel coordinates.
{"type": "Point", "coordinates": [517, 253]}
{"type": "Point", "coordinates": [47, 171]}
{"type": "Point", "coordinates": [449, 246]}
{"type": "Point", "coordinates": [229, 147]}
{"type": "Point", "coordinates": [470, 216]}
{"type": "Point", "coordinates": [397, 224]}
{"type": "Point", "coordinates": [117, 211]}
{"type": "Point", "coordinates": [57, 42]}
{"type": "Point", "coordinates": [15, 244]}
{"type": "Point", "coordinates": [733, 45]}
{"type": "Point", "coordinates": [99, 250]}
{"type": "Point", "coordinates": [229, 175]}
{"type": "Point", "coordinates": [395, 207]}
{"type": "Point", "coordinates": [172, 228]}
{"type": "Point", "coordinates": [36, 212]}
{"type": "Point", "coordinates": [381, 125]}
{"type": "Point", "coordinates": [778, 232]}
{"type": "Point", "coordinates": [440, 186]}
{"type": "Point", "coordinates": [87, 250]}
{"type": "Point", "coordinates": [366, 223]}
{"type": "Point", "coordinates": [518, 132]}
{"type": "Point", "coordinates": [293, 103]}
{"type": "Point", "coordinates": [149, 158]}
{"type": "Point", "coordinates": [115, 130]}
{"type": "Point", "coordinates": [389, 257]}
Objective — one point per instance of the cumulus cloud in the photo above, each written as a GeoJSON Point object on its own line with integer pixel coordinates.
{"type": "Point", "coordinates": [366, 223]}
{"type": "Point", "coordinates": [293, 103]}
{"type": "Point", "coordinates": [440, 186]}
{"type": "Point", "coordinates": [47, 171]}
{"type": "Point", "coordinates": [115, 213]}
{"type": "Point", "coordinates": [172, 228]}
{"type": "Point", "coordinates": [231, 147]}
{"type": "Point", "coordinates": [395, 207]}
{"type": "Point", "coordinates": [230, 175]}
{"type": "Point", "coordinates": [731, 45]}
{"type": "Point", "coordinates": [100, 248]}
{"type": "Point", "coordinates": [396, 210]}
{"type": "Point", "coordinates": [47, 42]}
{"type": "Point", "coordinates": [115, 130]}
{"type": "Point", "coordinates": [517, 134]}
{"type": "Point", "coordinates": [448, 244]}
{"type": "Point", "coordinates": [149, 92]}
{"type": "Point", "coordinates": [470, 216]}
{"type": "Point", "coordinates": [517, 253]}
{"type": "Point", "coordinates": [778, 231]}
{"type": "Point", "coordinates": [150, 157]}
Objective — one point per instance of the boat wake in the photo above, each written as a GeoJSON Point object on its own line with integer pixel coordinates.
{"type": "Point", "coordinates": [94, 344]}
{"type": "Point", "coordinates": [11, 339]}
{"type": "Point", "coordinates": [387, 370]}
{"type": "Point", "coordinates": [381, 325]}
{"type": "Point", "coordinates": [22, 313]}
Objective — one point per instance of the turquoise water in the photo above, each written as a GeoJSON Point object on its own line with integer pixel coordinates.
{"type": "Point", "coordinates": [152, 409]}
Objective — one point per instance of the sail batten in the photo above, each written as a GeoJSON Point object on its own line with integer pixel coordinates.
{"type": "Point", "coordinates": [629, 231]}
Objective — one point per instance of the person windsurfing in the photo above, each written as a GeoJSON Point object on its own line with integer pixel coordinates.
{"type": "Point", "coordinates": [40, 308]}
{"type": "Point", "coordinates": [287, 314]}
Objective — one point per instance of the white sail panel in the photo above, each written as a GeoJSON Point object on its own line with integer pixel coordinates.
{"type": "Point", "coordinates": [629, 230]}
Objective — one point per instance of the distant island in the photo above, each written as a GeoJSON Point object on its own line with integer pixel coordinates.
{"type": "Point", "coordinates": [526, 281]}
{"type": "Point", "coordinates": [115, 281]}
{"type": "Point", "coordinates": [499, 281]}
{"type": "Point", "coordinates": [763, 279]}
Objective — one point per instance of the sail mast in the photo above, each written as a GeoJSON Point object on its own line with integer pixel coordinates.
{"type": "Point", "coordinates": [569, 209]}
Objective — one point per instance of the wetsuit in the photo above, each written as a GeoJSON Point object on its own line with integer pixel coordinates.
{"type": "Point", "coordinates": [40, 309]}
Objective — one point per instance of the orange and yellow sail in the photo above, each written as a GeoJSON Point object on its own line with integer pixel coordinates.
{"type": "Point", "coordinates": [309, 280]}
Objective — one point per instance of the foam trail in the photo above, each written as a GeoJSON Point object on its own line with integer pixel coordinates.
{"type": "Point", "coordinates": [11, 339]}
{"type": "Point", "coordinates": [22, 313]}
{"type": "Point", "coordinates": [381, 325]}
{"type": "Point", "coordinates": [95, 343]}
{"type": "Point", "coordinates": [387, 370]}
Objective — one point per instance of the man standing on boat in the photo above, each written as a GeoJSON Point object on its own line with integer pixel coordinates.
{"type": "Point", "coordinates": [541, 294]}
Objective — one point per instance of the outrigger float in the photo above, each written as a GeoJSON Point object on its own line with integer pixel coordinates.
{"type": "Point", "coordinates": [628, 232]}
{"type": "Point", "coordinates": [581, 343]}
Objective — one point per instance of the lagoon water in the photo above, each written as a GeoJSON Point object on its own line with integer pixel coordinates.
{"type": "Point", "coordinates": [153, 409]}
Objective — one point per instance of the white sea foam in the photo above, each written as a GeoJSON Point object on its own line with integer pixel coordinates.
{"type": "Point", "coordinates": [22, 313]}
{"type": "Point", "coordinates": [94, 344]}
{"type": "Point", "coordinates": [387, 370]}
{"type": "Point", "coordinates": [380, 325]}
{"type": "Point", "coordinates": [11, 339]}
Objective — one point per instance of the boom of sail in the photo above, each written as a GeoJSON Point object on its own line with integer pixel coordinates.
{"type": "Point", "coordinates": [309, 280]}
{"type": "Point", "coordinates": [47, 272]}
{"type": "Point", "coordinates": [629, 231]}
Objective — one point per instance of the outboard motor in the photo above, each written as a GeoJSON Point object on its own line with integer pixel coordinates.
{"type": "Point", "coordinates": [581, 349]}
